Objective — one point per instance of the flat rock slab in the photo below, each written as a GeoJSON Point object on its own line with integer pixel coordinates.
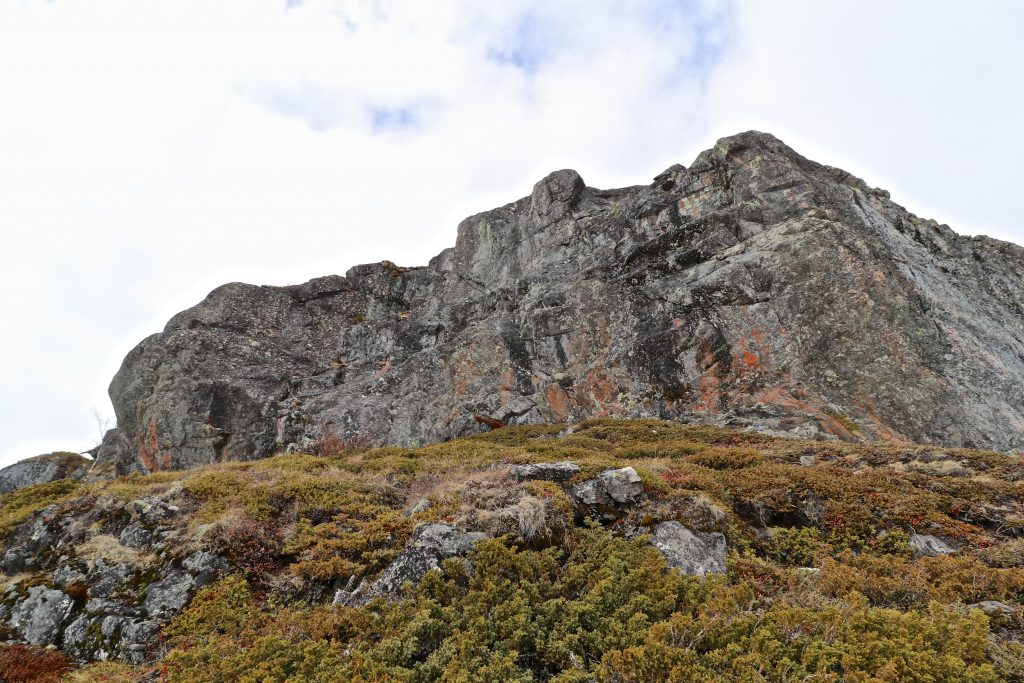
{"type": "Point", "coordinates": [926, 544]}
{"type": "Point", "coordinates": [548, 471]}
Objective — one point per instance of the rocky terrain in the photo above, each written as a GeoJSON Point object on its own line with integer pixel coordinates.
{"type": "Point", "coordinates": [752, 422]}
{"type": "Point", "coordinates": [752, 288]}
{"type": "Point", "coordinates": [42, 469]}
{"type": "Point", "coordinates": [607, 551]}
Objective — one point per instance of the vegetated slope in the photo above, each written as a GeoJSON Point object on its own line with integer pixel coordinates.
{"type": "Point", "coordinates": [755, 287]}
{"type": "Point", "coordinates": [642, 551]}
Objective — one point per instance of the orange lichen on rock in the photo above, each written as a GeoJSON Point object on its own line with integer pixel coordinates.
{"type": "Point", "coordinates": [558, 401]}
{"type": "Point", "coordinates": [602, 388]}
{"type": "Point", "coordinates": [465, 371]}
{"type": "Point", "coordinates": [383, 367]}
{"type": "Point", "coordinates": [506, 387]}
{"type": "Point", "coordinates": [149, 454]}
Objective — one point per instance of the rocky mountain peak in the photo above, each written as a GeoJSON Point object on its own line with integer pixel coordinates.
{"type": "Point", "coordinates": [754, 287]}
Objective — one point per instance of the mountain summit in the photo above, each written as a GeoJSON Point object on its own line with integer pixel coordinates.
{"type": "Point", "coordinates": [753, 288]}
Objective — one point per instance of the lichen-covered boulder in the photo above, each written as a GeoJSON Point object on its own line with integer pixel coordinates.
{"type": "Point", "coordinates": [40, 617]}
{"type": "Point", "coordinates": [996, 608]}
{"type": "Point", "coordinates": [927, 544]}
{"type": "Point", "coordinates": [695, 553]}
{"type": "Point", "coordinates": [609, 495]}
{"type": "Point", "coordinates": [105, 629]}
{"type": "Point", "coordinates": [204, 567]}
{"type": "Point", "coordinates": [169, 595]}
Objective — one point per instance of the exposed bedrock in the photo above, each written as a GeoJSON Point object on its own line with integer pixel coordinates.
{"type": "Point", "coordinates": [753, 288]}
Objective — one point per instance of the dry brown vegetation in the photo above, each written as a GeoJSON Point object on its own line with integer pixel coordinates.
{"type": "Point", "coordinates": [819, 566]}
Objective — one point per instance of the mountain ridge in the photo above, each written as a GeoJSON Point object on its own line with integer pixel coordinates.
{"type": "Point", "coordinates": [754, 288]}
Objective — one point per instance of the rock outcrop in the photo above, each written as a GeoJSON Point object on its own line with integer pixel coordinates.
{"type": "Point", "coordinates": [547, 471]}
{"type": "Point", "coordinates": [43, 469]}
{"type": "Point", "coordinates": [694, 553]}
{"type": "Point", "coordinates": [430, 545]}
{"type": "Point", "coordinates": [114, 573]}
{"type": "Point", "coordinates": [754, 288]}
{"type": "Point", "coordinates": [567, 531]}
{"type": "Point", "coordinates": [609, 495]}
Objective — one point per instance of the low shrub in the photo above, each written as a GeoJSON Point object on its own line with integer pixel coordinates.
{"type": "Point", "coordinates": [26, 664]}
{"type": "Point", "coordinates": [251, 546]}
{"type": "Point", "coordinates": [800, 547]}
{"type": "Point", "coordinates": [18, 505]}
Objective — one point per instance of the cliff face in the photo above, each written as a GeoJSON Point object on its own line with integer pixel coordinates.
{"type": "Point", "coordinates": [754, 288]}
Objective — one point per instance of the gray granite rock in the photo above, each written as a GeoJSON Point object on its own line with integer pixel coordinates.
{"type": "Point", "coordinates": [754, 287]}
{"type": "Point", "coordinates": [40, 617]}
{"type": "Point", "coordinates": [109, 630]}
{"type": "Point", "coordinates": [170, 594]}
{"type": "Point", "coordinates": [136, 535]}
{"type": "Point", "coordinates": [549, 471]}
{"type": "Point", "coordinates": [422, 505]}
{"type": "Point", "coordinates": [695, 553]}
{"type": "Point", "coordinates": [926, 544]}
{"type": "Point", "coordinates": [204, 567]}
{"type": "Point", "coordinates": [995, 607]}
{"type": "Point", "coordinates": [429, 546]}
{"type": "Point", "coordinates": [609, 495]}
{"type": "Point", "coordinates": [43, 469]}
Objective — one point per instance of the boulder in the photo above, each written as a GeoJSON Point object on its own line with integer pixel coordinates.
{"type": "Point", "coordinates": [995, 608]}
{"type": "Point", "coordinates": [40, 617]}
{"type": "Point", "coordinates": [429, 546]}
{"type": "Point", "coordinates": [797, 510]}
{"type": "Point", "coordinates": [422, 505]}
{"type": "Point", "coordinates": [926, 544]}
{"type": "Point", "coordinates": [205, 567]}
{"type": "Point", "coordinates": [169, 595]}
{"type": "Point", "coordinates": [609, 495]}
{"type": "Point", "coordinates": [109, 630]}
{"type": "Point", "coordinates": [694, 553]}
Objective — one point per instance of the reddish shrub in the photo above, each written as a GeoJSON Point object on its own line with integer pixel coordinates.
{"type": "Point", "coordinates": [331, 443]}
{"type": "Point", "coordinates": [251, 546]}
{"type": "Point", "coordinates": [24, 664]}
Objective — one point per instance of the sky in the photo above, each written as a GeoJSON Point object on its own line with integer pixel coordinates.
{"type": "Point", "coordinates": [150, 151]}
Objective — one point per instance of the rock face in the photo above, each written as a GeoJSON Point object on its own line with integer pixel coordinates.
{"type": "Point", "coordinates": [41, 615]}
{"type": "Point", "coordinates": [753, 288]}
{"type": "Point", "coordinates": [42, 469]}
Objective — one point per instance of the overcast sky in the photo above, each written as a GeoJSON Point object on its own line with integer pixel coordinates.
{"type": "Point", "coordinates": [152, 150]}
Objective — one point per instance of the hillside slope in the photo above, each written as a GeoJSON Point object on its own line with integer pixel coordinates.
{"type": "Point", "coordinates": [610, 551]}
{"type": "Point", "coordinates": [755, 287]}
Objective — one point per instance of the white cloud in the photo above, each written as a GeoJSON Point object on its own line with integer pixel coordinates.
{"type": "Point", "coordinates": [150, 151]}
